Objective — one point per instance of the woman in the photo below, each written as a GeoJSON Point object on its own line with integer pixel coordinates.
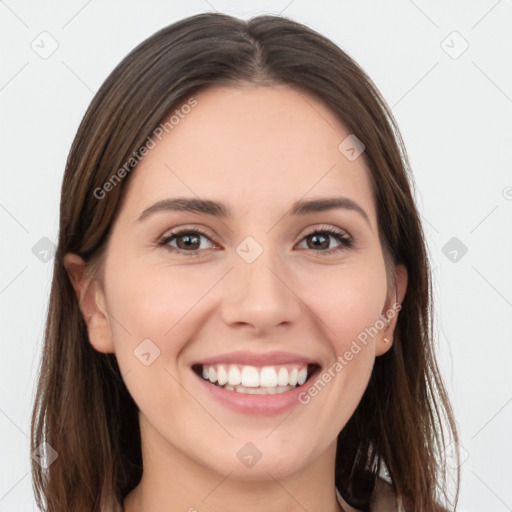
{"type": "Point", "coordinates": [241, 312]}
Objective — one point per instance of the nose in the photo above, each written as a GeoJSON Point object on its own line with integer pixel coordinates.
{"type": "Point", "coordinates": [260, 295]}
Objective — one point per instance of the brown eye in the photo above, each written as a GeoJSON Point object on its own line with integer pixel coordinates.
{"type": "Point", "coordinates": [320, 240]}
{"type": "Point", "coordinates": [187, 241]}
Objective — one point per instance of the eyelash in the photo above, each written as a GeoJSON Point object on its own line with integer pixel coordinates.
{"type": "Point", "coordinates": [346, 241]}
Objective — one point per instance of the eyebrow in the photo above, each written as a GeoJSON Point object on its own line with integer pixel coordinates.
{"type": "Point", "coordinates": [216, 209]}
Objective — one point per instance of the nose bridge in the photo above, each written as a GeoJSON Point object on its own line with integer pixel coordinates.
{"type": "Point", "coordinates": [258, 293]}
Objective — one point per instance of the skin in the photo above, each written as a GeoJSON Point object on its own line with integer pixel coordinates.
{"type": "Point", "coordinates": [256, 149]}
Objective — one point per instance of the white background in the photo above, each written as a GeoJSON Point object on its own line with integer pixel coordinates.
{"type": "Point", "coordinates": [455, 116]}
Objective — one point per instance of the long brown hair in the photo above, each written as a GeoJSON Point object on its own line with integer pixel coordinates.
{"type": "Point", "coordinates": [82, 408]}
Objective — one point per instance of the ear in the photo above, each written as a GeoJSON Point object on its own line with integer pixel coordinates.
{"type": "Point", "coordinates": [390, 313]}
{"type": "Point", "coordinates": [91, 299]}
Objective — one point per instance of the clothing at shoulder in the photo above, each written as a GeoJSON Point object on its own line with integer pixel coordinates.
{"type": "Point", "coordinates": [384, 499]}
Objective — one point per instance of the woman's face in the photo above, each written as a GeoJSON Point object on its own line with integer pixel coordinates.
{"type": "Point", "coordinates": [262, 295]}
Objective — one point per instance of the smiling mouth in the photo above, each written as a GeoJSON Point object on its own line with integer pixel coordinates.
{"type": "Point", "coordinates": [266, 380]}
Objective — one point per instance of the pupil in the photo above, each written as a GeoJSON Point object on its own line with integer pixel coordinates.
{"type": "Point", "coordinates": [324, 245]}
{"type": "Point", "coordinates": [189, 240]}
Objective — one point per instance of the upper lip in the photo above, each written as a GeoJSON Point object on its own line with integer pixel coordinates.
{"type": "Point", "coordinates": [257, 359]}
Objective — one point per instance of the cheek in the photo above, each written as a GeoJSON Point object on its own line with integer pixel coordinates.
{"type": "Point", "coordinates": [346, 301]}
{"type": "Point", "coordinates": [154, 302]}
{"type": "Point", "coordinates": [151, 310]}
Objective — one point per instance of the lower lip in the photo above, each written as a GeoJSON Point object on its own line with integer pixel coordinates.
{"type": "Point", "coordinates": [262, 405]}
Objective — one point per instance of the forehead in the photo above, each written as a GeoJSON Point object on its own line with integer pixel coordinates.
{"type": "Point", "coordinates": [247, 145]}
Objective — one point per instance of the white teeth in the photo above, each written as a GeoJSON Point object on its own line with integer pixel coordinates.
{"type": "Point", "coordinates": [222, 376]}
{"type": "Point", "coordinates": [260, 391]}
{"type": "Point", "coordinates": [292, 377]}
{"type": "Point", "coordinates": [282, 377]}
{"type": "Point", "coordinates": [252, 380]}
{"type": "Point", "coordinates": [250, 377]}
{"type": "Point", "coordinates": [268, 377]}
{"type": "Point", "coordinates": [234, 377]}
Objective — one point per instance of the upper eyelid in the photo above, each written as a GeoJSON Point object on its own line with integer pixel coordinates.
{"type": "Point", "coordinates": [174, 232]}
{"type": "Point", "coordinates": [202, 231]}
